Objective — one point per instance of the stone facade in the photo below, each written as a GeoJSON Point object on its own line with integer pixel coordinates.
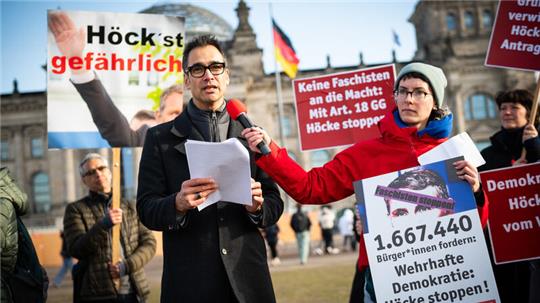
{"type": "Point", "coordinates": [452, 34]}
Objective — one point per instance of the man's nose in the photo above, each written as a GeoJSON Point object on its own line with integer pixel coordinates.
{"type": "Point", "coordinates": [208, 74]}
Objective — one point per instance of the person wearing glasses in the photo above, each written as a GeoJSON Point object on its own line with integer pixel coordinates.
{"type": "Point", "coordinates": [88, 224]}
{"type": "Point", "coordinates": [111, 123]}
{"type": "Point", "coordinates": [418, 123]}
{"type": "Point", "coordinates": [216, 254]}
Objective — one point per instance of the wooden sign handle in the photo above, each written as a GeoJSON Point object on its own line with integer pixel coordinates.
{"type": "Point", "coordinates": [116, 196]}
{"type": "Point", "coordinates": [532, 117]}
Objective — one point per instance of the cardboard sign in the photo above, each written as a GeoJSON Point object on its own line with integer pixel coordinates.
{"type": "Point", "coordinates": [344, 108]}
{"type": "Point", "coordinates": [515, 39]}
{"type": "Point", "coordinates": [514, 212]}
{"type": "Point", "coordinates": [424, 238]}
{"type": "Point", "coordinates": [134, 56]}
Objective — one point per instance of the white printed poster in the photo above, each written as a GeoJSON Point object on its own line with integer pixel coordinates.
{"type": "Point", "coordinates": [105, 74]}
{"type": "Point", "coordinates": [424, 238]}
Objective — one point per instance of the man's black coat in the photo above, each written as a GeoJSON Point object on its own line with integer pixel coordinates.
{"type": "Point", "coordinates": [216, 246]}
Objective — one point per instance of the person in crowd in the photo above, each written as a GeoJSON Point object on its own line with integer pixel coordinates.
{"type": "Point", "coordinates": [516, 132]}
{"type": "Point", "coordinates": [301, 224]}
{"type": "Point", "coordinates": [271, 234]}
{"type": "Point", "coordinates": [327, 217]}
{"type": "Point", "coordinates": [216, 254]}
{"type": "Point", "coordinates": [88, 226]}
{"type": "Point", "coordinates": [141, 118]}
{"type": "Point", "coordinates": [417, 123]}
{"type": "Point", "coordinates": [346, 229]}
{"type": "Point", "coordinates": [19, 258]}
{"type": "Point", "coordinates": [111, 123]}
{"type": "Point", "coordinates": [519, 281]}
{"type": "Point", "coordinates": [358, 287]}
{"type": "Point", "coordinates": [67, 262]}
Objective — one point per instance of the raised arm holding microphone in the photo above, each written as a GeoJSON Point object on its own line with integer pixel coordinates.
{"type": "Point", "coordinates": [417, 124]}
{"type": "Point", "coordinates": [217, 254]}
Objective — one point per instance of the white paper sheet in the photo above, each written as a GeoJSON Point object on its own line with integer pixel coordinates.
{"type": "Point", "coordinates": [458, 145]}
{"type": "Point", "coordinates": [228, 163]}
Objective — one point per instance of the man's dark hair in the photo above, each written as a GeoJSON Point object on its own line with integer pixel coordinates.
{"type": "Point", "coordinates": [200, 41]}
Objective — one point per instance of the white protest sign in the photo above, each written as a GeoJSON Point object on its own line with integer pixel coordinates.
{"type": "Point", "coordinates": [424, 238]}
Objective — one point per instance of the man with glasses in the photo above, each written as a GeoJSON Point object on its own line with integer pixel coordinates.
{"type": "Point", "coordinates": [217, 254]}
{"type": "Point", "coordinates": [87, 230]}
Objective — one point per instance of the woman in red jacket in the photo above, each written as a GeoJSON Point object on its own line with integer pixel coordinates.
{"type": "Point", "coordinates": [417, 124]}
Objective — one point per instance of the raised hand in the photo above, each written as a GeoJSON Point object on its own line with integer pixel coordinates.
{"type": "Point", "coordinates": [69, 40]}
{"type": "Point", "coordinates": [529, 132]}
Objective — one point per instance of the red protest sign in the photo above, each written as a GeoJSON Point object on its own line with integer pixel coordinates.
{"type": "Point", "coordinates": [343, 108]}
{"type": "Point", "coordinates": [514, 212]}
{"type": "Point", "coordinates": [515, 39]}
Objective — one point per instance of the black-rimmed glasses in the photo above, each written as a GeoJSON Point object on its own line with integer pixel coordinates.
{"type": "Point", "coordinates": [198, 70]}
{"type": "Point", "coordinates": [93, 172]}
{"type": "Point", "coordinates": [416, 94]}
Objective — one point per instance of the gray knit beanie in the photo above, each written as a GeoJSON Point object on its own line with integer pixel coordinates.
{"type": "Point", "coordinates": [435, 76]}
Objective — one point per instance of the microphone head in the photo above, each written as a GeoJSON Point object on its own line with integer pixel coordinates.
{"type": "Point", "coordinates": [235, 108]}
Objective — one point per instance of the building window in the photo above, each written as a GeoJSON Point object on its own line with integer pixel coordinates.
{"type": "Point", "coordinates": [133, 79]}
{"type": "Point", "coordinates": [487, 18]}
{"type": "Point", "coordinates": [469, 20]}
{"type": "Point", "coordinates": [479, 107]}
{"type": "Point", "coordinates": [36, 145]}
{"type": "Point", "coordinates": [41, 190]}
{"type": "Point", "coordinates": [451, 22]}
{"type": "Point", "coordinates": [319, 158]}
{"type": "Point", "coordinates": [128, 174]}
{"type": "Point", "coordinates": [482, 144]}
{"type": "Point", "coordinates": [4, 146]}
{"type": "Point", "coordinates": [153, 79]}
{"type": "Point", "coordinates": [286, 126]}
{"type": "Point", "coordinates": [292, 155]}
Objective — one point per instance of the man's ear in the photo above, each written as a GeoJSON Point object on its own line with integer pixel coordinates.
{"type": "Point", "coordinates": [187, 81]}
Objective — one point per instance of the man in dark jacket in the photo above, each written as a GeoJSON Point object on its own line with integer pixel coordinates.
{"type": "Point", "coordinates": [216, 254]}
{"type": "Point", "coordinates": [19, 259]}
{"type": "Point", "coordinates": [301, 224]}
{"type": "Point", "coordinates": [13, 203]}
{"type": "Point", "coordinates": [87, 229]}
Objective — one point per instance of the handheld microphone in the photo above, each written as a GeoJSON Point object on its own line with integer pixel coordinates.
{"type": "Point", "coordinates": [237, 111]}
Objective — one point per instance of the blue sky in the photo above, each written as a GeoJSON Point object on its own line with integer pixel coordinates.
{"type": "Point", "coordinates": [341, 29]}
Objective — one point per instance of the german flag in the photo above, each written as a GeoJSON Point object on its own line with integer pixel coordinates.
{"type": "Point", "coordinates": [285, 53]}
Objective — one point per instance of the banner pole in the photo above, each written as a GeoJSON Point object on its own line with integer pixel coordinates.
{"type": "Point", "coordinates": [116, 196]}
{"type": "Point", "coordinates": [279, 99]}
{"type": "Point", "coordinates": [532, 116]}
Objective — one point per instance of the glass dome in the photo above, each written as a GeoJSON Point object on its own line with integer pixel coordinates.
{"type": "Point", "coordinates": [198, 20]}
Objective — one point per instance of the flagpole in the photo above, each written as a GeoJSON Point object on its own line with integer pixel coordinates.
{"type": "Point", "coordinates": [279, 101]}
{"type": "Point", "coordinates": [278, 89]}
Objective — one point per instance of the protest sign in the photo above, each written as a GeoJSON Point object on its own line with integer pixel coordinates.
{"type": "Point", "coordinates": [514, 212]}
{"type": "Point", "coordinates": [343, 108]}
{"type": "Point", "coordinates": [134, 57]}
{"type": "Point", "coordinates": [515, 38]}
{"type": "Point", "coordinates": [424, 238]}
